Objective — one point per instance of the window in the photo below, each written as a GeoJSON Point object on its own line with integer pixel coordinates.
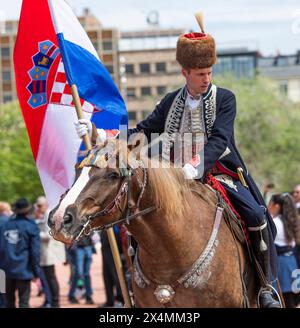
{"type": "Point", "coordinates": [6, 76]}
{"type": "Point", "coordinates": [132, 116]}
{"type": "Point", "coordinates": [283, 87]}
{"type": "Point", "coordinates": [107, 46]}
{"type": "Point", "coordinates": [145, 68]}
{"type": "Point", "coordinates": [110, 68]}
{"type": "Point", "coordinates": [96, 45]}
{"type": "Point", "coordinates": [7, 98]}
{"type": "Point", "coordinates": [131, 93]}
{"type": "Point", "coordinates": [161, 90]}
{"type": "Point", "coordinates": [146, 91]}
{"type": "Point", "coordinates": [160, 67]}
{"type": "Point", "coordinates": [129, 68]}
{"type": "Point", "coordinates": [5, 52]}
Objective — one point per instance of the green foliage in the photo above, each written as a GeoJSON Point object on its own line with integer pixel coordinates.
{"type": "Point", "coordinates": [267, 131]}
{"type": "Point", "coordinates": [18, 173]}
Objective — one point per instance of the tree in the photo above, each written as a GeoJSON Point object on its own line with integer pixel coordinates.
{"type": "Point", "coordinates": [267, 131]}
{"type": "Point", "coordinates": [18, 173]}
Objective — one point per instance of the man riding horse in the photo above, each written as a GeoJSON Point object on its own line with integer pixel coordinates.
{"type": "Point", "coordinates": [202, 106]}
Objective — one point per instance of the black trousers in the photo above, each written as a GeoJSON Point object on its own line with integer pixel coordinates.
{"type": "Point", "coordinates": [23, 288]}
{"type": "Point", "coordinates": [110, 277]}
{"type": "Point", "coordinates": [50, 275]}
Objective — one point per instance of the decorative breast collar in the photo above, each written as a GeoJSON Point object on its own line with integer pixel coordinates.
{"type": "Point", "coordinates": [197, 275]}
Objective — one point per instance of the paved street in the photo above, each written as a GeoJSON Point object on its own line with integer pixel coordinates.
{"type": "Point", "coordinates": [63, 274]}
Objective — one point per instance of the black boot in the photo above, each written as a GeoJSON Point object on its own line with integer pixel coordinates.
{"type": "Point", "coordinates": [261, 248]}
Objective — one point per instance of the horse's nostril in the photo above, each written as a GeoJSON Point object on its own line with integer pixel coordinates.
{"type": "Point", "coordinates": [68, 219]}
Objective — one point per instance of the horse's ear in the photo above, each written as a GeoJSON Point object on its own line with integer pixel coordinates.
{"type": "Point", "coordinates": [136, 141]}
{"type": "Point", "coordinates": [94, 135]}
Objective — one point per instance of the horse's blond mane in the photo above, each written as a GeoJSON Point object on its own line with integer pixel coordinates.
{"type": "Point", "coordinates": [170, 190]}
{"type": "Point", "coordinates": [167, 185]}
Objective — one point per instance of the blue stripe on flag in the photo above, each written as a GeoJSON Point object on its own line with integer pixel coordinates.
{"type": "Point", "coordinates": [92, 79]}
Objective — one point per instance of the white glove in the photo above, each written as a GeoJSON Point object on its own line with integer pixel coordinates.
{"type": "Point", "coordinates": [101, 135]}
{"type": "Point", "coordinates": [189, 171]}
{"type": "Point", "coordinates": [83, 127]}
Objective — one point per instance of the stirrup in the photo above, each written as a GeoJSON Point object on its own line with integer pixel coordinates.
{"type": "Point", "coordinates": [268, 288]}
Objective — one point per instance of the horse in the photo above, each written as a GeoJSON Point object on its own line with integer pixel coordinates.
{"type": "Point", "coordinates": [186, 256]}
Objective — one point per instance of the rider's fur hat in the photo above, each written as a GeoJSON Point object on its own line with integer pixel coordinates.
{"type": "Point", "coordinates": [196, 50]}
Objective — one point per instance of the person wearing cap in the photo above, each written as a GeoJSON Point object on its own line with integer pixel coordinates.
{"type": "Point", "coordinates": [202, 109]}
{"type": "Point", "coordinates": [19, 253]}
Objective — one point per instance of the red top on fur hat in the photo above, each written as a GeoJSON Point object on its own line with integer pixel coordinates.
{"type": "Point", "coordinates": [196, 36]}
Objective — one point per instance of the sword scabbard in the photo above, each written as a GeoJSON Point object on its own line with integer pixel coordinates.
{"type": "Point", "coordinates": [240, 172]}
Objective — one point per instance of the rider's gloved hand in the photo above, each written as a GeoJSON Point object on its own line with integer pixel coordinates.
{"type": "Point", "coordinates": [101, 135]}
{"type": "Point", "coordinates": [189, 171]}
{"type": "Point", "coordinates": [83, 127]}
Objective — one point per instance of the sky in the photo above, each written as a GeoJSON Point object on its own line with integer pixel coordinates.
{"type": "Point", "coordinates": [270, 26]}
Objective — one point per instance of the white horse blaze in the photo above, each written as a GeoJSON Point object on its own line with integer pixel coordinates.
{"type": "Point", "coordinates": [71, 196]}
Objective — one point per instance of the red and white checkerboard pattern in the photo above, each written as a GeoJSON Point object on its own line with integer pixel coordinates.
{"type": "Point", "coordinates": [61, 92]}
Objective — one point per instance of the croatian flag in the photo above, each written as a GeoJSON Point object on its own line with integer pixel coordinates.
{"type": "Point", "coordinates": [52, 52]}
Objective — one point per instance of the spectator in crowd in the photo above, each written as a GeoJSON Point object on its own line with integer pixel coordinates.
{"type": "Point", "coordinates": [19, 253]}
{"type": "Point", "coordinates": [284, 213]}
{"type": "Point", "coordinates": [296, 195]}
{"type": "Point", "coordinates": [5, 213]}
{"type": "Point", "coordinates": [83, 256]}
{"type": "Point", "coordinates": [52, 252]}
{"type": "Point", "coordinates": [113, 291]}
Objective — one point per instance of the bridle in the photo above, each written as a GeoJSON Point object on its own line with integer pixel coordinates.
{"type": "Point", "coordinates": [130, 212]}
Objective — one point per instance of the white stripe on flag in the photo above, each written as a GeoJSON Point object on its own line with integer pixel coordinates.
{"type": "Point", "coordinates": [58, 151]}
{"type": "Point", "coordinates": [61, 67]}
{"type": "Point", "coordinates": [65, 22]}
{"type": "Point", "coordinates": [58, 87]}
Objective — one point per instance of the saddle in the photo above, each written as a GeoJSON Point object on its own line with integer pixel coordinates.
{"type": "Point", "coordinates": [232, 218]}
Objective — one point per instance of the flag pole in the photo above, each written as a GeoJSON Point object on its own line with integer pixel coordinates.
{"type": "Point", "coordinates": [110, 232]}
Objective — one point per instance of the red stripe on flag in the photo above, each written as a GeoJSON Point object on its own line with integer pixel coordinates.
{"type": "Point", "coordinates": [67, 90]}
{"type": "Point", "coordinates": [41, 87]}
{"type": "Point", "coordinates": [61, 77]}
{"type": "Point", "coordinates": [34, 87]}
{"type": "Point", "coordinates": [50, 52]}
{"type": "Point", "coordinates": [35, 26]}
{"type": "Point", "coordinates": [56, 98]}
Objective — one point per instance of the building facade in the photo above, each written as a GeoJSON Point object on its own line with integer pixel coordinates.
{"type": "Point", "coordinates": [144, 67]}
{"type": "Point", "coordinates": [285, 70]}
{"type": "Point", "coordinates": [149, 69]}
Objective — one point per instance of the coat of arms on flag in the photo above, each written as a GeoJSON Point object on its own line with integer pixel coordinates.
{"type": "Point", "coordinates": [42, 61]}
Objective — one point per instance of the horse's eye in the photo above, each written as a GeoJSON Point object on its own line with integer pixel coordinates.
{"type": "Point", "coordinates": [113, 175]}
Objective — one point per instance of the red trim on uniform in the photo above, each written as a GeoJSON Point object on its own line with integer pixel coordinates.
{"type": "Point", "coordinates": [223, 169]}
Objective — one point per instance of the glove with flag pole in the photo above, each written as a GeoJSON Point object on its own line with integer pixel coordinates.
{"type": "Point", "coordinates": [84, 126]}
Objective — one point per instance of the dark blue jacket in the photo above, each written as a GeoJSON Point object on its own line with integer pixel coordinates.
{"type": "Point", "coordinates": [20, 248]}
{"type": "Point", "coordinates": [3, 219]}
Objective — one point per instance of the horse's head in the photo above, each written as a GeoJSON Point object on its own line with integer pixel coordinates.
{"type": "Point", "coordinates": [100, 194]}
